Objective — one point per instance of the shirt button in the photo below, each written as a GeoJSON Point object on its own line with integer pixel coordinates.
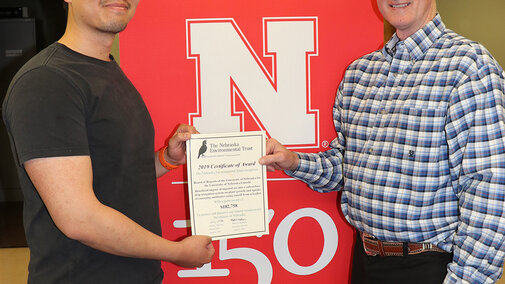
{"type": "Point", "coordinates": [383, 111]}
{"type": "Point", "coordinates": [370, 150]}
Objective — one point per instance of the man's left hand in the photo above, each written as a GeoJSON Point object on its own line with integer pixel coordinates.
{"type": "Point", "coordinates": [176, 150]}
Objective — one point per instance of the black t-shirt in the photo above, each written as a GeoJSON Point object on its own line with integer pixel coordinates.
{"type": "Point", "coordinates": [62, 103]}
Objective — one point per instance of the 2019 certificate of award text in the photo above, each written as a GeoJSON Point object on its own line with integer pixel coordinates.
{"type": "Point", "coordinates": [227, 186]}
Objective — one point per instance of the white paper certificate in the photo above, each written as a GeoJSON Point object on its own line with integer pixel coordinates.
{"type": "Point", "coordinates": [227, 186]}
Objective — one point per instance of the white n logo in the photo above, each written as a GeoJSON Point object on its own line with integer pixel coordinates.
{"type": "Point", "coordinates": [227, 68]}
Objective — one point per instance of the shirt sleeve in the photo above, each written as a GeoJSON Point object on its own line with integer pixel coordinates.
{"type": "Point", "coordinates": [45, 116]}
{"type": "Point", "coordinates": [475, 132]}
{"type": "Point", "coordinates": [323, 171]}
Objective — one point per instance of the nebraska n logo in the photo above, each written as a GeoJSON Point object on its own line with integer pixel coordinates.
{"type": "Point", "coordinates": [227, 68]}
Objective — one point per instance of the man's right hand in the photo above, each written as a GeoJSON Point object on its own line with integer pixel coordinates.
{"type": "Point", "coordinates": [278, 157]}
{"type": "Point", "coordinates": [194, 251]}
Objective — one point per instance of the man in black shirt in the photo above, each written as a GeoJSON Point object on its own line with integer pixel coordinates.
{"type": "Point", "coordinates": [84, 142]}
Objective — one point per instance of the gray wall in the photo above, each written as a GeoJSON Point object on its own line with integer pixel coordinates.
{"type": "Point", "coordinates": [482, 21]}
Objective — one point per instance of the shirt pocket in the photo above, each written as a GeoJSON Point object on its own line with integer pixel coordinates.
{"type": "Point", "coordinates": [419, 142]}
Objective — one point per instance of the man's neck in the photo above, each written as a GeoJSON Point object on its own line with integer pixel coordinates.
{"type": "Point", "coordinates": [96, 45]}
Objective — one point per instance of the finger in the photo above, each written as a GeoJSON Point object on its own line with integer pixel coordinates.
{"type": "Point", "coordinates": [271, 146]}
{"type": "Point", "coordinates": [187, 128]}
{"type": "Point", "coordinates": [208, 239]}
{"type": "Point", "coordinates": [271, 159]}
{"type": "Point", "coordinates": [194, 131]}
{"type": "Point", "coordinates": [181, 137]}
{"type": "Point", "coordinates": [211, 251]}
{"type": "Point", "coordinates": [262, 160]}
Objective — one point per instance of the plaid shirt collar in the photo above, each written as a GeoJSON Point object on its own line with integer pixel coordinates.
{"type": "Point", "coordinates": [419, 42]}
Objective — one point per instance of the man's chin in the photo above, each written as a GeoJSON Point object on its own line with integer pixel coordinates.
{"type": "Point", "coordinates": [115, 28]}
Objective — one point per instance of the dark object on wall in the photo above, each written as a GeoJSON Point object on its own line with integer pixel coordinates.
{"type": "Point", "coordinates": [17, 46]}
{"type": "Point", "coordinates": [14, 12]}
{"type": "Point", "coordinates": [49, 15]}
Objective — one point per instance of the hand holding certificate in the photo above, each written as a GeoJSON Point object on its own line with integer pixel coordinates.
{"type": "Point", "coordinates": [227, 185]}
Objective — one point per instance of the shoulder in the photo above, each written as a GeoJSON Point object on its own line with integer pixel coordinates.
{"type": "Point", "coordinates": [42, 81]}
{"type": "Point", "coordinates": [467, 55]}
{"type": "Point", "coordinates": [365, 67]}
{"type": "Point", "coordinates": [367, 61]}
{"type": "Point", "coordinates": [46, 65]}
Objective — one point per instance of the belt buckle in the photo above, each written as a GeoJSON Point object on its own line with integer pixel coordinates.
{"type": "Point", "coordinates": [367, 237]}
{"type": "Point", "coordinates": [427, 246]}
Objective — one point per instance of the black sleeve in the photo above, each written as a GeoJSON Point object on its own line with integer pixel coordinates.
{"type": "Point", "coordinates": [45, 115]}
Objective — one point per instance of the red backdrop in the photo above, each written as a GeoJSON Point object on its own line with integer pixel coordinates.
{"type": "Point", "coordinates": [248, 65]}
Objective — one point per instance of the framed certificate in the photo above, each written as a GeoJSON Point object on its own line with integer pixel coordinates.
{"type": "Point", "coordinates": [227, 186]}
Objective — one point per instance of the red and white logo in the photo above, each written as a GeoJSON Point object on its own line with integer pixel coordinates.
{"type": "Point", "coordinates": [278, 102]}
{"type": "Point", "coordinates": [227, 66]}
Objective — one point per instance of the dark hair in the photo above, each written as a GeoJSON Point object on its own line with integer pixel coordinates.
{"type": "Point", "coordinates": [65, 6]}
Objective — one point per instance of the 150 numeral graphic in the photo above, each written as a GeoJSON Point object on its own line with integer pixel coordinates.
{"type": "Point", "coordinates": [261, 262]}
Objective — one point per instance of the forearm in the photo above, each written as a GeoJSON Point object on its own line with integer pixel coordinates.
{"type": "Point", "coordinates": [476, 264]}
{"type": "Point", "coordinates": [65, 184]}
{"type": "Point", "coordinates": [479, 241]}
{"type": "Point", "coordinates": [108, 230]}
{"type": "Point", "coordinates": [321, 171]}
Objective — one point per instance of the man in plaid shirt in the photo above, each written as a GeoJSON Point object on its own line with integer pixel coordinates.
{"type": "Point", "coordinates": [419, 155]}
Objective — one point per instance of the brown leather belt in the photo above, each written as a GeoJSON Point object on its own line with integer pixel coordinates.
{"type": "Point", "coordinates": [374, 247]}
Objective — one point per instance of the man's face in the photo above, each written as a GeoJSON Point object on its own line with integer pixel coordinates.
{"type": "Point", "coordinates": [110, 16]}
{"type": "Point", "coordinates": [407, 16]}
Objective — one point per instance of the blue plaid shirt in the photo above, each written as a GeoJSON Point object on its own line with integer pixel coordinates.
{"type": "Point", "coordinates": [420, 149]}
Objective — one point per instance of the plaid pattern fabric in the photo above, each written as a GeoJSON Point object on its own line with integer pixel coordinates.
{"type": "Point", "coordinates": [420, 149]}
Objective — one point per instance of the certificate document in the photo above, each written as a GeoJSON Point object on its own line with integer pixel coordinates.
{"type": "Point", "coordinates": [227, 186]}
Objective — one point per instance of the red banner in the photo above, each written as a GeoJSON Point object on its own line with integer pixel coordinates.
{"type": "Point", "coordinates": [228, 66]}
